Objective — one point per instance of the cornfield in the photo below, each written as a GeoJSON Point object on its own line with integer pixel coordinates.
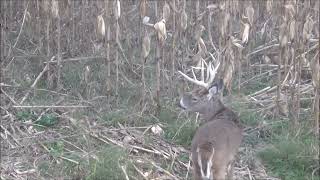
{"type": "Point", "coordinates": [89, 89]}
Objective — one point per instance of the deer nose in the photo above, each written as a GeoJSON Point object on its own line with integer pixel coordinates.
{"type": "Point", "coordinates": [181, 104]}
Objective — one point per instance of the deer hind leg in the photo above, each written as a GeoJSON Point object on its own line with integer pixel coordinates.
{"type": "Point", "coordinates": [196, 172]}
{"type": "Point", "coordinates": [220, 172]}
{"type": "Point", "coordinates": [230, 171]}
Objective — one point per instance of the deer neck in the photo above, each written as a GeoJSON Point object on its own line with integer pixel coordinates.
{"type": "Point", "coordinates": [213, 110]}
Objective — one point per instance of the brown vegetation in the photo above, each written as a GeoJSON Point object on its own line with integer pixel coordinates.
{"type": "Point", "coordinates": [69, 67]}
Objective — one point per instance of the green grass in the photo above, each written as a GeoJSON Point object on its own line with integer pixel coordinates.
{"type": "Point", "coordinates": [56, 148]}
{"type": "Point", "coordinates": [115, 117]}
{"type": "Point", "coordinates": [107, 166]}
{"type": "Point", "coordinates": [46, 120]}
{"type": "Point", "coordinates": [25, 115]}
{"type": "Point", "coordinates": [290, 156]}
{"type": "Point", "coordinates": [288, 153]}
{"type": "Point", "coordinates": [181, 132]}
{"type": "Point", "coordinates": [178, 130]}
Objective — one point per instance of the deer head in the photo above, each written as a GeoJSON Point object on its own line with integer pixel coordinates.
{"type": "Point", "coordinates": [205, 99]}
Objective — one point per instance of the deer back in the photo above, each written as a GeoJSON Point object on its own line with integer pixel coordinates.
{"type": "Point", "coordinates": [214, 146]}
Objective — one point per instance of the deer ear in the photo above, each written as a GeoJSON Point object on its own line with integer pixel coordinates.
{"type": "Point", "coordinates": [220, 84]}
{"type": "Point", "coordinates": [216, 87]}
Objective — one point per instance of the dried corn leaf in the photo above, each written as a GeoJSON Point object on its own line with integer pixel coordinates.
{"type": "Point", "coordinates": [307, 29]}
{"type": "Point", "coordinates": [86, 74]}
{"type": "Point", "coordinates": [304, 60]}
{"type": "Point", "coordinates": [198, 32]}
{"type": "Point", "coordinates": [212, 7]}
{"type": "Point", "coordinates": [224, 26]}
{"type": "Point", "coordinates": [202, 47]}
{"type": "Point", "coordinates": [160, 27]}
{"type": "Point", "coordinates": [236, 42]}
{"type": "Point", "coordinates": [228, 73]}
{"type": "Point", "coordinates": [166, 11]}
{"type": "Point", "coordinates": [316, 72]}
{"type": "Point", "coordinates": [197, 59]}
{"type": "Point", "coordinates": [245, 34]}
{"type": "Point", "coordinates": [45, 5]}
{"type": "Point", "coordinates": [250, 14]}
{"type": "Point", "coordinates": [283, 105]}
{"type": "Point", "coordinates": [146, 46]}
{"type": "Point", "coordinates": [284, 41]}
{"type": "Point", "coordinates": [282, 34]}
{"type": "Point", "coordinates": [55, 8]}
{"type": "Point", "coordinates": [292, 29]}
{"type": "Point", "coordinates": [222, 5]}
{"type": "Point", "coordinates": [116, 9]}
{"type": "Point", "coordinates": [145, 20]}
{"type": "Point", "coordinates": [156, 130]}
{"type": "Point", "coordinates": [235, 7]}
{"type": "Point", "coordinates": [28, 16]}
{"type": "Point", "coordinates": [184, 20]}
{"type": "Point", "coordinates": [266, 59]}
{"type": "Point", "coordinates": [269, 6]}
{"type": "Point", "coordinates": [142, 8]}
{"type": "Point", "coordinates": [290, 11]}
{"type": "Point", "coordinates": [101, 29]}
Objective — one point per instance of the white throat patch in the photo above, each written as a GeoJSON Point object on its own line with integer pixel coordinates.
{"type": "Point", "coordinates": [182, 105]}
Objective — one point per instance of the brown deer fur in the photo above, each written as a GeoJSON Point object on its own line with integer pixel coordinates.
{"type": "Point", "coordinates": [217, 140]}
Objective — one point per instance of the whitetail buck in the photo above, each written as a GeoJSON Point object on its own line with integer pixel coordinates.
{"type": "Point", "coordinates": [217, 140]}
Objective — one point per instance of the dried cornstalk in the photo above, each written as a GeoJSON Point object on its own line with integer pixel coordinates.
{"type": "Point", "coordinates": [316, 83]}
{"type": "Point", "coordinates": [55, 12]}
{"type": "Point", "coordinates": [142, 18]}
{"type": "Point", "coordinates": [116, 11]}
{"type": "Point", "coordinates": [173, 57]}
{"type": "Point", "coordinates": [224, 25]}
{"type": "Point", "coordinates": [161, 32]}
{"type": "Point", "coordinates": [292, 29]}
{"type": "Point", "coordinates": [107, 45]}
{"type": "Point", "coordinates": [45, 6]}
{"type": "Point", "coordinates": [48, 21]}
{"type": "Point", "coordinates": [86, 75]}
{"type": "Point", "coordinates": [145, 53]}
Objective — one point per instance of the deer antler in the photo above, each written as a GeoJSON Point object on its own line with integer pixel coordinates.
{"type": "Point", "coordinates": [211, 72]}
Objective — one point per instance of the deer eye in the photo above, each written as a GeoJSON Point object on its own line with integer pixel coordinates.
{"type": "Point", "coordinates": [194, 99]}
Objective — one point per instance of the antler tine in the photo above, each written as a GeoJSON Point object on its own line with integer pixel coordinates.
{"type": "Point", "coordinates": [202, 70]}
{"type": "Point", "coordinates": [212, 72]}
{"type": "Point", "coordinates": [204, 82]}
{"type": "Point", "coordinates": [200, 83]}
